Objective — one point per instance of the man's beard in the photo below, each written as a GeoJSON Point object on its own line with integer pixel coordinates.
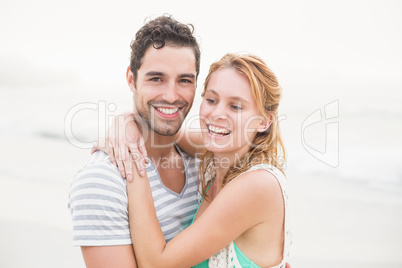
{"type": "Point", "coordinates": [167, 127]}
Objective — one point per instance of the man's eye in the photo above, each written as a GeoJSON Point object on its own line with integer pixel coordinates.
{"type": "Point", "coordinates": [156, 79]}
{"type": "Point", "coordinates": [185, 81]}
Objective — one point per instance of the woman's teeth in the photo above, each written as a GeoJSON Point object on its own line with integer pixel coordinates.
{"type": "Point", "coordinates": [217, 130]}
{"type": "Point", "coordinates": [167, 110]}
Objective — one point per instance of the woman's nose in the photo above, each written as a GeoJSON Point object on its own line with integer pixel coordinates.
{"type": "Point", "coordinates": [219, 113]}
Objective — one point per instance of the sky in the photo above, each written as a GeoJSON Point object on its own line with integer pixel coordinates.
{"type": "Point", "coordinates": [87, 41]}
{"type": "Point", "coordinates": [345, 52]}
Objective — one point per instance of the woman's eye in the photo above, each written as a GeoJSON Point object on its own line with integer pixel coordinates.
{"type": "Point", "coordinates": [236, 107]}
{"type": "Point", "coordinates": [211, 101]}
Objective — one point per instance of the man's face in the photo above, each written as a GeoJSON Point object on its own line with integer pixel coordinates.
{"type": "Point", "coordinates": [165, 88]}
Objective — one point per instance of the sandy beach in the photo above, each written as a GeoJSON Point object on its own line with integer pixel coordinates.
{"type": "Point", "coordinates": [339, 223]}
{"type": "Point", "coordinates": [336, 223]}
{"type": "Point", "coordinates": [35, 224]}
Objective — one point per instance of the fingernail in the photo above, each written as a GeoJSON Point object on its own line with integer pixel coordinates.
{"type": "Point", "coordinates": [142, 173]}
{"type": "Point", "coordinates": [129, 177]}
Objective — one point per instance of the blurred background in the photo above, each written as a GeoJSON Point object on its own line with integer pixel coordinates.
{"type": "Point", "coordinates": [62, 78]}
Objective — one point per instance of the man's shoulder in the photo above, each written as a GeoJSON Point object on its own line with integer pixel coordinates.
{"type": "Point", "coordinates": [98, 171]}
{"type": "Point", "coordinates": [99, 184]}
{"type": "Point", "coordinates": [99, 162]}
{"type": "Point", "coordinates": [98, 204]}
{"type": "Point", "coordinates": [99, 158]}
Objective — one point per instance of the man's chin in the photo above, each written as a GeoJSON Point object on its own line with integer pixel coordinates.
{"type": "Point", "coordinates": [166, 132]}
{"type": "Point", "coordinates": [164, 129]}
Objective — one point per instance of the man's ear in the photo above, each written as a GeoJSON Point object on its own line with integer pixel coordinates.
{"type": "Point", "coordinates": [264, 124]}
{"type": "Point", "coordinates": [130, 79]}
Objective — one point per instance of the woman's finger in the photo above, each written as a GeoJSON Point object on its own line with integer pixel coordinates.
{"type": "Point", "coordinates": [117, 158]}
{"type": "Point", "coordinates": [128, 167]}
{"type": "Point", "coordinates": [142, 149]}
{"type": "Point", "coordinates": [138, 160]}
{"type": "Point", "coordinates": [139, 155]}
{"type": "Point", "coordinates": [123, 152]}
{"type": "Point", "coordinates": [116, 151]}
{"type": "Point", "coordinates": [120, 166]}
{"type": "Point", "coordinates": [127, 163]}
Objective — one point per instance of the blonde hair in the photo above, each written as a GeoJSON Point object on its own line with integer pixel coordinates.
{"type": "Point", "coordinates": [267, 147]}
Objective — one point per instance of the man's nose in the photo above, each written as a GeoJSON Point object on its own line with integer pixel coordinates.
{"type": "Point", "coordinates": [171, 93]}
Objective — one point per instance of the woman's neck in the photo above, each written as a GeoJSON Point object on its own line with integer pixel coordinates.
{"type": "Point", "coordinates": [223, 161]}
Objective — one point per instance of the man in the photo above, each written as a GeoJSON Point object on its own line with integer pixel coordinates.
{"type": "Point", "coordinates": [164, 65]}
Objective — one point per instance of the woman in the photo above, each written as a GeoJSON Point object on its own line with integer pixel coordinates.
{"type": "Point", "coordinates": [242, 219]}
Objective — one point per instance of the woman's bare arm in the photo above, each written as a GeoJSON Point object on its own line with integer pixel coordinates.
{"type": "Point", "coordinates": [220, 224]}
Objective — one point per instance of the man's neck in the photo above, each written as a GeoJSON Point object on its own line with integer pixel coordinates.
{"type": "Point", "coordinates": [159, 146]}
{"type": "Point", "coordinates": [156, 145]}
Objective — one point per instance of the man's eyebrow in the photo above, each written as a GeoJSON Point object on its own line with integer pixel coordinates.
{"type": "Point", "coordinates": [189, 75]}
{"type": "Point", "coordinates": [154, 73]}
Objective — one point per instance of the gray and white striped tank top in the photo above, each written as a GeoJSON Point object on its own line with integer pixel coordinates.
{"type": "Point", "coordinates": [98, 202]}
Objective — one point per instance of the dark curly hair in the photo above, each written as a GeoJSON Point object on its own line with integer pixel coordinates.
{"type": "Point", "coordinates": [163, 30]}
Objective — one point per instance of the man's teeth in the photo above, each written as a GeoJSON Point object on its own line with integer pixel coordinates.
{"type": "Point", "coordinates": [167, 110]}
{"type": "Point", "coordinates": [218, 130]}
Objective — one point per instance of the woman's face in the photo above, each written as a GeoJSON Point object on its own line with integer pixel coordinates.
{"type": "Point", "coordinates": [229, 116]}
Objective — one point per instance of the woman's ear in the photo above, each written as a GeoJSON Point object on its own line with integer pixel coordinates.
{"type": "Point", "coordinates": [130, 79]}
{"type": "Point", "coordinates": [264, 124]}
